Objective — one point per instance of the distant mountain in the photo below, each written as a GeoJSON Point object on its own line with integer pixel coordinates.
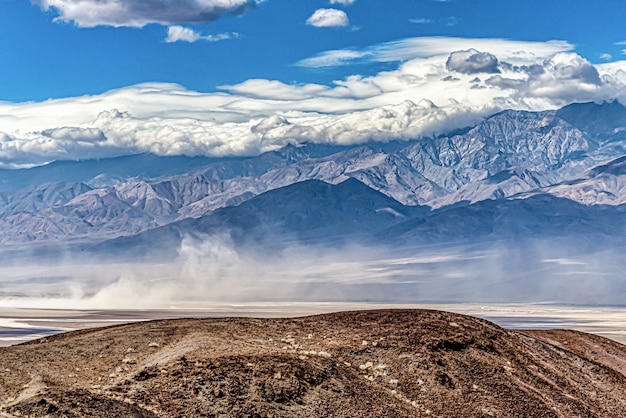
{"type": "Point", "coordinates": [100, 172]}
{"type": "Point", "coordinates": [604, 122]}
{"type": "Point", "coordinates": [602, 185]}
{"type": "Point", "coordinates": [541, 216]}
{"type": "Point", "coordinates": [503, 184]}
{"type": "Point", "coordinates": [309, 211]}
{"type": "Point", "coordinates": [573, 153]}
{"type": "Point", "coordinates": [42, 196]}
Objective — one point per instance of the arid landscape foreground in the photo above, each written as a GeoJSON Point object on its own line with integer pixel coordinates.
{"type": "Point", "coordinates": [395, 363]}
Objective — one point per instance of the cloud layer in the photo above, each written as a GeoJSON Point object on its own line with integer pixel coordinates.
{"type": "Point", "coordinates": [439, 84]}
{"type": "Point", "coordinates": [516, 52]}
{"type": "Point", "coordinates": [138, 13]}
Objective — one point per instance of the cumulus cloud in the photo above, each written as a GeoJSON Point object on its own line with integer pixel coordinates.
{"type": "Point", "coordinates": [563, 79]}
{"type": "Point", "coordinates": [179, 33]}
{"type": "Point", "coordinates": [419, 97]}
{"type": "Point", "coordinates": [182, 34]}
{"type": "Point", "coordinates": [328, 18]}
{"type": "Point", "coordinates": [472, 62]}
{"type": "Point", "coordinates": [138, 13]}
{"type": "Point", "coordinates": [572, 67]}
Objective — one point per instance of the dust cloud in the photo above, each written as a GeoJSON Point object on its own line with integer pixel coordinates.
{"type": "Point", "coordinates": [212, 269]}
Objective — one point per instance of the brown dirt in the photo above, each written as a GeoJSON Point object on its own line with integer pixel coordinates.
{"type": "Point", "coordinates": [393, 363]}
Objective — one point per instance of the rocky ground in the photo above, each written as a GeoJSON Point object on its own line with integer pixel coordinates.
{"type": "Point", "coordinates": [391, 363]}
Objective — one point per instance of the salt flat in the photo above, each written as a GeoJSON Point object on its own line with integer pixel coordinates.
{"type": "Point", "coordinates": [22, 324]}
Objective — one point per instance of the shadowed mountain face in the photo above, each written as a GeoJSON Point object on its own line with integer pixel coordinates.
{"type": "Point", "coordinates": [318, 213]}
{"type": "Point", "coordinates": [539, 216]}
{"type": "Point", "coordinates": [310, 211]}
{"type": "Point", "coordinates": [371, 364]}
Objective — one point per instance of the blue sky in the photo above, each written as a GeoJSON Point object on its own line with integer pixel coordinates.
{"type": "Point", "coordinates": [43, 58]}
{"type": "Point", "coordinates": [88, 78]}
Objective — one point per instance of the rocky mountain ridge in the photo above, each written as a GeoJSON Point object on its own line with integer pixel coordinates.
{"type": "Point", "coordinates": [512, 153]}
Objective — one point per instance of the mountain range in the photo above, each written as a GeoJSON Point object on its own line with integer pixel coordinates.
{"type": "Point", "coordinates": [513, 175]}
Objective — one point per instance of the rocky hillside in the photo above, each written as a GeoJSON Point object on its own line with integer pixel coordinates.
{"type": "Point", "coordinates": [373, 363]}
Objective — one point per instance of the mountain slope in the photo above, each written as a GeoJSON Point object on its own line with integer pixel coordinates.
{"type": "Point", "coordinates": [311, 211]}
{"type": "Point", "coordinates": [605, 122]}
{"type": "Point", "coordinates": [501, 185]}
{"type": "Point", "coordinates": [602, 185]}
{"type": "Point", "coordinates": [535, 217]}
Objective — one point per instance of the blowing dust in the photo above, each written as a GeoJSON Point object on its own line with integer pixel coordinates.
{"type": "Point", "coordinates": [211, 269]}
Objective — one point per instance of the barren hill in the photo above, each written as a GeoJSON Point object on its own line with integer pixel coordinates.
{"type": "Point", "coordinates": [393, 363]}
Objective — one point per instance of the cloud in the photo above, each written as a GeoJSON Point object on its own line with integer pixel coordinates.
{"type": "Point", "coordinates": [333, 58]}
{"type": "Point", "coordinates": [606, 57]}
{"type": "Point", "coordinates": [179, 33]}
{"type": "Point", "coordinates": [182, 34]}
{"type": "Point", "coordinates": [276, 90]}
{"type": "Point", "coordinates": [572, 67]}
{"type": "Point", "coordinates": [422, 21]}
{"type": "Point", "coordinates": [451, 21]}
{"type": "Point", "coordinates": [563, 79]}
{"type": "Point", "coordinates": [426, 93]}
{"type": "Point", "coordinates": [328, 18]}
{"type": "Point", "coordinates": [118, 133]}
{"type": "Point", "coordinates": [448, 21]}
{"type": "Point", "coordinates": [342, 2]}
{"type": "Point", "coordinates": [515, 52]}
{"type": "Point", "coordinates": [75, 134]}
{"type": "Point", "coordinates": [472, 62]}
{"type": "Point", "coordinates": [138, 13]}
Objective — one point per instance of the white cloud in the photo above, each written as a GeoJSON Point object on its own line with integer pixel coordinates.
{"type": "Point", "coordinates": [421, 96]}
{"type": "Point", "coordinates": [328, 18]}
{"type": "Point", "coordinates": [563, 79]}
{"type": "Point", "coordinates": [606, 57]}
{"type": "Point", "coordinates": [179, 33]}
{"type": "Point", "coordinates": [260, 89]}
{"type": "Point", "coordinates": [515, 52]}
{"type": "Point", "coordinates": [342, 2]}
{"type": "Point", "coordinates": [448, 21]}
{"type": "Point", "coordinates": [182, 34]}
{"type": "Point", "coordinates": [138, 13]}
{"type": "Point", "coordinates": [421, 21]}
{"type": "Point", "coordinates": [333, 58]}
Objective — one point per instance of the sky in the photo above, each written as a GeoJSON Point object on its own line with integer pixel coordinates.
{"type": "Point", "coordinates": [97, 78]}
